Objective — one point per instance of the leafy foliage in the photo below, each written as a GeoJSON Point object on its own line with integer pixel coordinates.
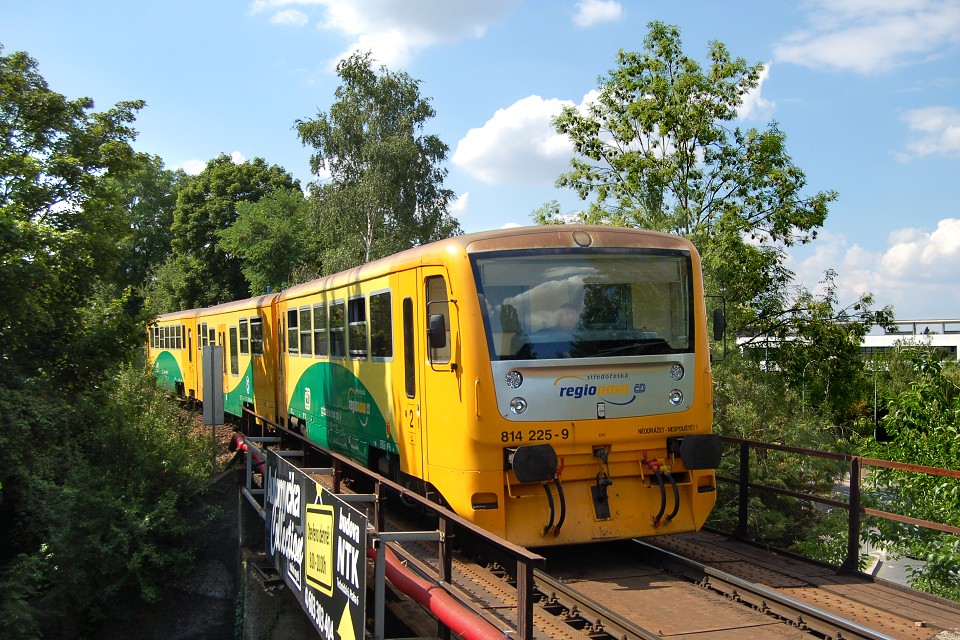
{"type": "Point", "coordinates": [922, 423]}
{"type": "Point", "coordinates": [386, 177]}
{"type": "Point", "coordinates": [756, 404]}
{"type": "Point", "coordinates": [276, 240]}
{"type": "Point", "coordinates": [150, 196]}
{"type": "Point", "coordinates": [100, 465]}
{"type": "Point", "coordinates": [108, 493]}
{"type": "Point", "coordinates": [658, 150]}
{"type": "Point", "coordinates": [61, 212]}
{"type": "Point", "coordinates": [200, 272]}
{"type": "Point", "coordinates": [655, 150]}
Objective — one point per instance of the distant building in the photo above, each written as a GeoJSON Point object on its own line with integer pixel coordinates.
{"type": "Point", "coordinates": [940, 335]}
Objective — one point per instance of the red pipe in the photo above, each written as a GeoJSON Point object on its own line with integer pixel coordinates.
{"type": "Point", "coordinates": [461, 620]}
{"type": "Point", "coordinates": [237, 443]}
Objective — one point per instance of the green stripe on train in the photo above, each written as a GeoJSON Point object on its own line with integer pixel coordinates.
{"type": "Point", "coordinates": [340, 412]}
{"type": "Point", "coordinates": [243, 391]}
{"type": "Point", "coordinates": [166, 370]}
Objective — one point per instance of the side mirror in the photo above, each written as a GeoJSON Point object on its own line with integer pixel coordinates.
{"type": "Point", "coordinates": [436, 331]}
{"type": "Point", "coordinates": [719, 324]}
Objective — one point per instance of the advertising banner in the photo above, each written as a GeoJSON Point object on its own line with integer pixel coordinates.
{"type": "Point", "coordinates": [318, 544]}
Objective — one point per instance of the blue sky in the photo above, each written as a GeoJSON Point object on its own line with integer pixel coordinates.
{"type": "Point", "coordinates": [867, 92]}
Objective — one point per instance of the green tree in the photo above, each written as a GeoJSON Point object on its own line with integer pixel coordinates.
{"type": "Point", "coordinates": [98, 509]}
{"type": "Point", "coordinates": [150, 196]}
{"type": "Point", "coordinates": [92, 503]}
{"type": "Point", "coordinates": [815, 345]}
{"type": "Point", "coordinates": [922, 424]}
{"type": "Point", "coordinates": [658, 149]}
{"type": "Point", "coordinates": [199, 272]}
{"type": "Point", "coordinates": [386, 189]}
{"type": "Point", "coordinates": [61, 212]}
{"type": "Point", "coordinates": [276, 240]}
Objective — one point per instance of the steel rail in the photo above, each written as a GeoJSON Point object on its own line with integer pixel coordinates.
{"type": "Point", "coordinates": [600, 617]}
{"type": "Point", "coordinates": [763, 599]}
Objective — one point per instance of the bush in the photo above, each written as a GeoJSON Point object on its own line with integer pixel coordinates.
{"type": "Point", "coordinates": [96, 507]}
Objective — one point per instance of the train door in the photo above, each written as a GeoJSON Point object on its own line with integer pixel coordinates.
{"type": "Point", "coordinates": [189, 370]}
{"type": "Point", "coordinates": [440, 383]}
{"type": "Point", "coordinates": [281, 361]}
{"type": "Point", "coordinates": [410, 432]}
{"type": "Point", "coordinates": [222, 341]}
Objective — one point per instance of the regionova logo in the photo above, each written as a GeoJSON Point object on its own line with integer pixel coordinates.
{"type": "Point", "coordinates": [613, 388]}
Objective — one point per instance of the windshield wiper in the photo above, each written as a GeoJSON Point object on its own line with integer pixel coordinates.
{"type": "Point", "coordinates": [648, 347]}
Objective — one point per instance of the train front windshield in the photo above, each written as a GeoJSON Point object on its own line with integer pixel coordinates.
{"type": "Point", "coordinates": [578, 304]}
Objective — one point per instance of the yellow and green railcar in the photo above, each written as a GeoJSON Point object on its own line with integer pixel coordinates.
{"type": "Point", "coordinates": [170, 340]}
{"type": "Point", "coordinates": [551, 384]}
{"type": "Point", "coordinates": [247, 330]}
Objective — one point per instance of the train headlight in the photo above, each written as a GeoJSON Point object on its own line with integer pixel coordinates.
{"type": "Point", "coordinates": [676, 397]}
{"type": "Point", "coordinates": [518, 405]}
{"type": "Point", "coordinates": [513, 379]}
{"type": "Point", "coordinates": [676, 372]}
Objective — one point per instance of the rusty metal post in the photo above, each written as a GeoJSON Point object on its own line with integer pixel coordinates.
{"type": "Point", "coordinates": [445, 573]}
{"type": "Point", "coordinates": [851, 563]}
{"type": "Point", "coordinates": [524, 600]}
{"type": "Point", "coordinates": [744, 495]}
{"type": "Point", "coordinates": [378, 510]}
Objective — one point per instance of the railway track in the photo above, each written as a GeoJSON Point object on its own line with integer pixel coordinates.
{"type": "Point", "coordinates": [637, 591]}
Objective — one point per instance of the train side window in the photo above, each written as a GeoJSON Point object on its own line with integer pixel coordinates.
{"type": "Point", "coordinates": [293, 332]}
{"type": "Point", "coordinates": [202, 334]}
{"type": "Point", "coordinates": [234, 355]}
{"type": "Point", "coordinates": [437, 303]}
{"type": "Point", "coordinates": [306, 331]}
{"type": "Point", "coordinates": [213, 335]}
{"type": "Point", "coordinates": [256, 336]}
{"type": "Point", "coordinates": [190, 345]}
{"type": "Point", "coordinates": [165, 338]}
{"type": "Point", "coordinates": [409, 359]}
{"type": "Point", "coordinates": [381, 326]}
{"type": "Point", "coordinates": [357, 318]}
{"type": "Point", "coordinates": [338, 341]}
{"type": "Point", "coordinates": [181, 335]}
{"type": "Point", "coordinates": [320, 337]}
{"type": "Point", "coordinates": [244, 337]}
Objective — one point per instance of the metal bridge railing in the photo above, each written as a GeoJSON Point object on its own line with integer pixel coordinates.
{"type": "Point", "coordinates": [449, 522]}
{"type": "Point", "coordinates": [853, 505]}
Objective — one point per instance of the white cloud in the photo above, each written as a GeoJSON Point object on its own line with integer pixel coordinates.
{"type": "Point", "coordinates": [290, 17]}
{"type": "Point", "coordinates": [938, 130]}
{"type": "Point", "coordinates": [755, 106]}
{"type": "Point", "coordinates": [918, 272]}
{"type": "Point", "coordinates": [518, 145]}
{"type": "Point", "coordinates": [193, 167]}
{"type": "Point", "coordinates": [395, 30]}
{"type": "Point", "coordinates": [459, 207]}
{"type": "Point", "coordinates": [591, 12]}
{"type": "Point", "coordinates": [872, 36]}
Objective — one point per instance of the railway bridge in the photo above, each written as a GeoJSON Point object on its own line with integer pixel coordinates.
{"type": "Point", "coordinates": [361, 567]}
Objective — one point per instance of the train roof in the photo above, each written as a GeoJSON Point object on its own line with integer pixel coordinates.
{"type": "Point", "coordinates": [236, 305]}
{"type": "Point", "coordinates": [514, 238]}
